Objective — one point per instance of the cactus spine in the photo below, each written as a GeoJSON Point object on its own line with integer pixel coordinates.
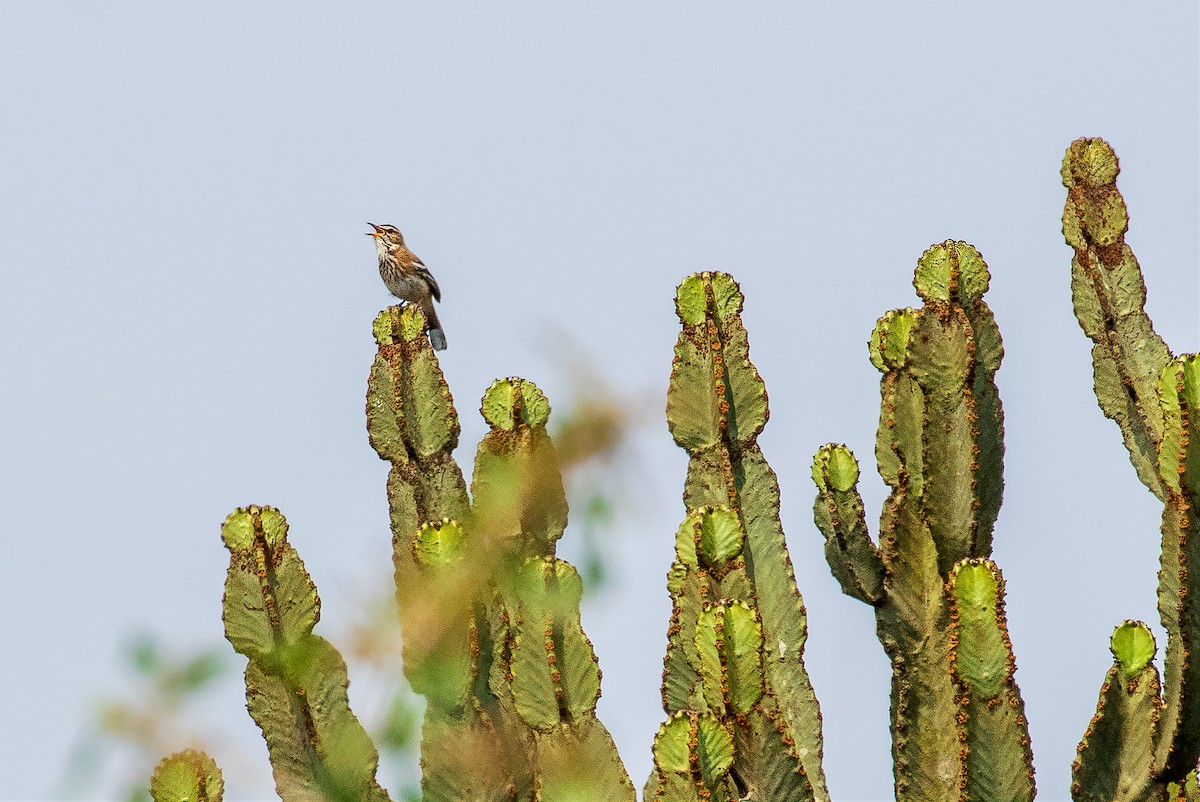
{"type": "Point", "coordinates": [490, 616]}
{"type": "Point", "coordinates": [743, 721]}
{"type": "Point", "coordinates": [1155, 400]}
{"type": "Point", "coordinates": [958, 723]}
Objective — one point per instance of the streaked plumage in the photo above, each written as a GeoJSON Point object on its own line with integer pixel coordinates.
{"type": "Point", "coordinates": [407, 278]}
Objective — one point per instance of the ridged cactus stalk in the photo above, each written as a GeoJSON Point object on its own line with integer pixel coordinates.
{"type": "Point", "coordinates": [957, 720]}
{"type": "Point", "coordinates": [296, 682]}
{"type": "Point", "coordinates": [490, 617]}
{"type": "Point", "coordinates": [1144, 741]}
{"type": "Point", "coordinates": [742, 719]}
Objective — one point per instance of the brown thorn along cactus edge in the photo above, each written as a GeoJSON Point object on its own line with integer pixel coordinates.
{"type": "Point", "coordinates": [1144, 741]}
{"type": "Point", "coordinates": [490, 618]}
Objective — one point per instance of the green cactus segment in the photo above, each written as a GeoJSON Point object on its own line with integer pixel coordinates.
{"type": "Point", "coordinates": [1115, 759]}
{"type": "Point", "coordinates": [952, 272]}
{"type": "Point", "coordinates": [941, 421]}
{"type": "Point", "coordinates": [888, 346]}
{"type": "Point", "coordinates": [729, 650]}
{"type": "Point", "coordinates": [409, 408]}
{"type": "Point", "coordinates": [681, 667]}
{"type": "Point", "coordinates": [520, 503]}
{"type": "Point", "coordinates": [742, 647]}
{"type": "Point", "coordinates": [1109, 297]}
{"type": "Point", "coordinates": [696, 745]}
{"type": "Point", "coordinates": [715, 393]}
{"type": "Point", "coordinates": [580, 765]}
{"type": "Point", "coordinates": [187, 776]}
{"type": "Point", "coordinates": [715, 478]}
{"type": "Point", "coordinates": [1133, 648]}
{"type": "Point", "coordinates": [781, 610]}
{"type": "Point", "coordinates": [941, 361]}
{"type": "Point", "coordinates": [270, 601]}
{"type": "Point", "coordinates": [838, 512]}
{"type": "Point", "coordinates": [492, 634]}
{"type": "Point", "coordinates": [765, 762]}
{"type": "Point", "coordinates": [295, 682]}
{"type": "Point", "coordinates": [1152, 397]}
{"type": "Point", "coordinates": [555, 676]}
{"type": "Point", "coordinates": [1178, 743]}
{"type": "Point", "coordinates": [982, 658]}
{"type": "Point", "coordinates": [1179, 399]}
{"type": "Point", "coordinates": [318, 748]}
{"type": "Point", "coordinates": [720, 536]}
{"type": "Point", "coordinates": [835, 468]}
{"type": "Point", "coordinates": [708, 659]}
{"type": "Point", "coordinates": [939, 447]}
{"type": "Point", "coordinates": [438, 543]}
{"type": "Point", "coordinates": [1095, 214]}
{"type": "Point", "coordinates": [736, 639]}
{"type": "Point", "coordinates": [468, 763]}
{"type": "Point", "coordinates": [511, 402]}
{"type": "Point", "coordinates": [999, 761]}
{"type": "Point", "coordinates": [988, 426]}
{"type": "Point", "coordinates": [926, 750]}
{"type": "Point", "coordinates": [412, 423]}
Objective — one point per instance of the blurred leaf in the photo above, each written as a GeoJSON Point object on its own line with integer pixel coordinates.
{"type": "Point", "coordinates": [145, 656]}
{"type": "Point", "coordinates": [401, 731]}
{"type": "Point", "coordinates": [195, 673]}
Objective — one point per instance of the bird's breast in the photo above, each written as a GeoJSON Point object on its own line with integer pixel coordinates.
{"type": "Point", "coordinates": [404, 286]}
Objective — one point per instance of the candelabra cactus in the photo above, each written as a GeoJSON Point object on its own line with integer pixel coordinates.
{"type": "Point", "coordinates": [490, 616]}
{"type": "Point", "coordinates": [743, 721]}
{"type": "Point", "coordinates": [1144, 741]}
{"type": "Point", "coordinates": [295, 681]}
{"type": "Point", "coordinates": [958, 724]}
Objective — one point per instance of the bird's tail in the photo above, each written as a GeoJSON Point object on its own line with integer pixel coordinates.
{"type": "Point", "coordinates": [437, 337]}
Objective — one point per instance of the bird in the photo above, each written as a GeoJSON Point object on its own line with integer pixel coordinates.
{"type": "Point", "coordinates": [407, 277]}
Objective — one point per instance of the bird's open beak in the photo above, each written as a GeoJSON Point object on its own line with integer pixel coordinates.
{"type": "Point", "coordinates": [374, 233]}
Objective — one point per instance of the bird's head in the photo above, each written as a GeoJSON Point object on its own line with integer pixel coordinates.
{"type": "Point", "coordinates": [386, 236]}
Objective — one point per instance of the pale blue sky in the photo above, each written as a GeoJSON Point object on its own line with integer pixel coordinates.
{"type": "Point", "coordinates": [186, 325]}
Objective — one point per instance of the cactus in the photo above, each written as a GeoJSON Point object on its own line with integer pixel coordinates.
{"type": "Point", "coordinates": [743, 721]}
{"type": "Point", "coordinates": [958, 723]}
{"type": "Point", "coordinates": [1151, 729]}
{"type": "Point", "coordinates": [295, 681]}
{"type": "Point", "coordinates": [187, 776]}
{"type": "Point", "coordinates": [490, 617]}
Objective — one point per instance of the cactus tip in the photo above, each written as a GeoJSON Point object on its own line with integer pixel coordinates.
{"type": "Point", "coordinates": [951, 271]}
{"type": "Point", "coordinates": [1090, 161]}
{"type": "Point", "coordinates": [510, 402]}
{"type": "Point", "coordinates": [1133, 646]}
{"type": "Point", "coordinates": [835, 466]}
{"type": "Point", "coordinates": [238, 529]}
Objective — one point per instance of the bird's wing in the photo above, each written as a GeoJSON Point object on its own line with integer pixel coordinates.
{"type": "Point", "coordinates": [424, 273]}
